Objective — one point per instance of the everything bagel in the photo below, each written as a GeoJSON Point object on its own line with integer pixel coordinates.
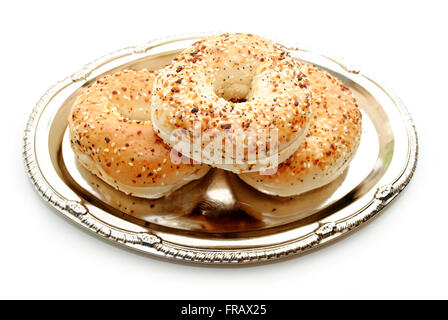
{"type": "Point", "coordinates": [329, 146]}
{"type": "Point", "coordinates": [112, 136]}
{"type": "Point", "coordinates": [234, 85]}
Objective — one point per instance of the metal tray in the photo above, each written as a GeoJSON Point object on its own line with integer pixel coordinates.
{"type": "Point", "coordinates": [220, 219]}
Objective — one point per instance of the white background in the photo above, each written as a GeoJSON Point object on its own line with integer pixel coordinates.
{"type": "Point", "coordinates": [402, 254]}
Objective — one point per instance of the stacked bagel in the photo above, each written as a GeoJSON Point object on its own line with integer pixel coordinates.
{"type": "Point", "coordinates": [237, 102]}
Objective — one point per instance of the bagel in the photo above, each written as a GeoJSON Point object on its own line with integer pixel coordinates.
{"type": "Point", "coordinates": [112, 136]}
{"type": "Point", "coordinates": [329, 145]}
{"type": "Point", "coordinates": [226, 89]}
{"type": "Point", "coordinates": [179, 203]}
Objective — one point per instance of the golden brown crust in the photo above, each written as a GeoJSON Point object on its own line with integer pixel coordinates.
{"type": "Point", "coordinates": [329, 144]}
{"type": "Point", "coordinates": [110, 124]}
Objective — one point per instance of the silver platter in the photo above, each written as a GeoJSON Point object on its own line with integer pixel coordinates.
{"type": "Point", "coordinates": [237, 225]}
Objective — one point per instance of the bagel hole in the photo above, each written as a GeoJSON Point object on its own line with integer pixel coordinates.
{"type": "Point", "coordinates": [235, 87]}
{"type": "Point", "coordinates": [232, 94]}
